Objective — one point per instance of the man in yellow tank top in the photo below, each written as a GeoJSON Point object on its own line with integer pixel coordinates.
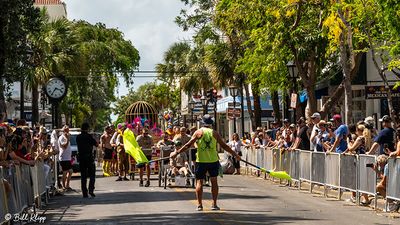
{"type": "Point", "coordinates": [207, 159]}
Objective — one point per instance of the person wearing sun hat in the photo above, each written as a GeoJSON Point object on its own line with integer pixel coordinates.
{"type": "Point", "coordinates": [207, 159]}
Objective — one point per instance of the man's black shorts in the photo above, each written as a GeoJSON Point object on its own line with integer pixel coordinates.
{"type": "Point", "coordinates": [65, 165]}
{"type": "Point", "coordinates": [140, 165]}
{"type": "Point", "coordinates": [108, 154]}
{"type": "Point", "coordinates": [203, 168]}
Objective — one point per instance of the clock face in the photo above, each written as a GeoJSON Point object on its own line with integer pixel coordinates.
{"type": "Point", "coordinates": [56, 88]}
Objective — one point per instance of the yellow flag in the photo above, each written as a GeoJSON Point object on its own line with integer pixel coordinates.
{"type": "Point", "coordinates": [279, 174]}
{"type": "Point", "coordinates": [132, 147]}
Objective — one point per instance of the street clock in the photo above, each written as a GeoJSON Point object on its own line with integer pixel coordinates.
{"type": "Point", "coordinates": [56, 89]}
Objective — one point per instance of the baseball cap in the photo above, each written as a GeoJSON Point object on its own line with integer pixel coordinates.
{"type": "Point", "coordinates": [292, 125]}
{"type": "Point", "coordinates": [285, 120]}
{"type": "Point", "coordinates": [336, 117]}
{"type": "Point", "coordinates": [207, 119]}
{"type": "Point", "coordinates": [369, 120]}
{"type": "Point", "coordinates": [316, 115]}
{"type": "Point", "coordinates": [385, 118]}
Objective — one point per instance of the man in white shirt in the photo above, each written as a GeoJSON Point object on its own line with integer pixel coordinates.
{"type": "Point", "coordinates": [65, 157]}
{"type": "Point", "coordinates": [315, 118]}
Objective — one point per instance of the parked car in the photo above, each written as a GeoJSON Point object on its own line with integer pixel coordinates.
{"type": "Point", "coordinates": [74, 132]}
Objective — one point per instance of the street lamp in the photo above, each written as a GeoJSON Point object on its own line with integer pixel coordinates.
{"type": "Point", "coordinates": [71, 106]}
{"type": "Point", "coordinates": [191, 108]}
{"type": "Point", "coordinates": [233, 90]}
{"type": "Point", "coordinates": [293, 75]}
{"type": "Point", "coordinates": [204, 103]}
{"type": "Point", "coordinates": [29, 54]}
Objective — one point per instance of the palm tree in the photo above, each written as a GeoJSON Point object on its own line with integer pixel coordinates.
{"type": "Point", "coordinates": [52, 54]}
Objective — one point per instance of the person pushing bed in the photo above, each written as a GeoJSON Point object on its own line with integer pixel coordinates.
{"type": "Point", "coordinates": [207, 159]}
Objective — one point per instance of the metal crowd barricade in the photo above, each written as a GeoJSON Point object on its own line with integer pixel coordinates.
{"type": "Point", "coordinates": [294, 171]}
{"type": "Point", "coordinates": [244, 156]}
{"type": "Point", "coordinates": [276, 162]}
{"type": "Point", "coordinates": [26, 189]}
{"type": "Point", "coordinates": [285, 161]}
{"type": "Point", "coordinates": [268, 158]}
{"type": "Point", "coordinates": [260, 156]}
{"type": "Point", "coordinates": [3, 200]}
{"type": "Point", "coordinates": [332, 171]}
{"type": "Point", "coordinates": [367, 178]}
{"type": "Point", "coordinates": [38, 181]}
{"type": "Point", "coordinates": [393, 184]}
{"type": "Point", "coordinates": [305, 166]}
{"type": "Point", "coordinates": [317, 168]}
{"type": "Point", "coordinates": [348, 172]}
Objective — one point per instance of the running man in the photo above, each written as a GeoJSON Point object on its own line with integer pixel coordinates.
{"type": "Point", "coordinates": [207, 159]}
{"type": "Point", "coordinates": [107, 150]}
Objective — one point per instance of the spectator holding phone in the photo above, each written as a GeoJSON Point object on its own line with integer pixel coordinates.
{"type": "Point", "coordinates": [382, 169]}
{"type": "Point", "coordinates": [321, 137]}
{"type": "Point", "coordinates": [357, 146]}
{"type": "Point", "coordinates": [385, 136]}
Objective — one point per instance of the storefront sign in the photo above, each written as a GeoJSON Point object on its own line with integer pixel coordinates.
{"type": "Point", "coordinates": [379, 92]}
{"type": "Point", "coordinates": [233, 113]}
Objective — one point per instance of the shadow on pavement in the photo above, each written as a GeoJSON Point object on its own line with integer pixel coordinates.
{"type": "Point", "coordinates": [191, 218]}
{"type": "Point", "coordinates": [145, 196]}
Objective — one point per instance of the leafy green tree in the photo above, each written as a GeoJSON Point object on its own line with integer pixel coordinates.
{"type": "Point", "coordinates": [363, 26]}
{"type": "Point", "coordinates": [218, 51]}
{"type": "Point", "coordinates": [102, 55]}
{"type": "Point", "coordinates": [18, 19]}
{"type": "Point", "coordinates": [52, 55]}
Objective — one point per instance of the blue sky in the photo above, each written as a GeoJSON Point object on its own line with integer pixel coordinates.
{"type": "Point", "coordinates": [149, 24]}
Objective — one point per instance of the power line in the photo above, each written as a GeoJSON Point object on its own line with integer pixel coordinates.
{"type": "Point", "coordinates": [136, 72]}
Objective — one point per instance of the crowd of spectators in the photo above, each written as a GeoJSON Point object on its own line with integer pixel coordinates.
{"type": "Point", "coordinates": [23, 145]}
{"type": "Point", "coordinates": [333, 136]}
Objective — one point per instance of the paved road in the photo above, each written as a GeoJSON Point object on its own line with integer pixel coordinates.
{"type": "Point", "coordinates": [243, 200]}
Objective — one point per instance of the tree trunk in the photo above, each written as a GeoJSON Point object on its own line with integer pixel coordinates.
{"type": "Point", "coordinates": [312, 98]}
{"type": "Point", "coordinates": [35, 104]}
{"type": "Point", "coordinates": [3, 106]}
{"type": "Point", "coordinates": [249, 108]}
{"type": "Point", "coordinates": [346, 62]}
{"type": "Point", "coordinates": [257, 106]}
{"type": "Point", "coordinates": [348, 100]}
{"type": "Point", "coordinates": [275, 105]}
{"type": "Point", "coordinates": [337, 94]}
{"type": "Point", "coordinates": [381, 73]}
